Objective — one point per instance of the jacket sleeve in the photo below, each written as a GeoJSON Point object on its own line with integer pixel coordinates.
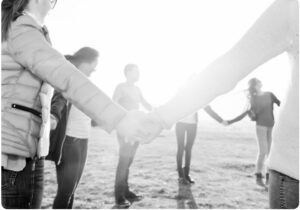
{"type": "Point", "coordinates": [29, 47]}
{"type": "Point", "coordinates": [267, 38]}
{"type": "Point", "coordinates": [58, 104]}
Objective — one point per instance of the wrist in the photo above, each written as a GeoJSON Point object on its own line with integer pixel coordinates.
{"type": "Point", "coordinates": [155, 115]}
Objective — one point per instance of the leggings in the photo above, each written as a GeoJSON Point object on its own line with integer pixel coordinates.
{"type": "Point", "coordinates": [189, 130]}
{"type": "Point", "coordinates": [264, 141]}
{"type": "Point", "coordinates": [69, 171]}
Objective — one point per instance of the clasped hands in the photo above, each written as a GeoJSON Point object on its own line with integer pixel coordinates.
{"type": "Point", "coordinates": [138, 126]}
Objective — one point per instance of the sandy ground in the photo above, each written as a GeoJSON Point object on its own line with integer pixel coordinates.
{"type": "Point", "coordinates": [222, 166]}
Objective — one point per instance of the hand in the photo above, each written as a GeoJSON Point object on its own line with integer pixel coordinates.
{"type": "Point", "coordinates": [153, 126]}
{"type": "Point", "coordinates": [130, 127]}
{"type": "Point", "coordinates": [137, 126]}
{"type": "Point", "coordinates": [53, 122]}
{"type": "Point", "coordinates": [225, 122]}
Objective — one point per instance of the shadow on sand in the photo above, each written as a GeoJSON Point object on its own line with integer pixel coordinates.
{"type": "Point", "coordinates": [185, 198]}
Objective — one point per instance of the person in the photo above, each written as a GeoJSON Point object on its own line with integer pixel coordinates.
{"type": "Point", "coordinates": [275, 32]}
{"type": "Point", "coordinates": [73, 133]}
{"type": "Point", "coordinates": [186, 129]}
{"type": "Point", "coordinates": [129, 96]}
{"type": "Point", "coordinates": [30, 68]}
{"type": "Point", "coordinates": [261, 111]}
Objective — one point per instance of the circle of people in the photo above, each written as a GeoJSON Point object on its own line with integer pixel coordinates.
{"type": "Point", "coordinates": [48, 107]}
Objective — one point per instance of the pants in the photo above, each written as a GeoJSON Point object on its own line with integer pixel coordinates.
{"type": "Point", "coordinates": [264, 141]}
{"type": "Point", "coordinates": [126, 155]}
{"type": "Point", "coordinates": [185, 131]}
{"type": "Point", "coordinates": [23, 189]}
{"type": "Point", "coordinates": [283, 191]}
{"type": "Point", "coordinates": [69, 171]}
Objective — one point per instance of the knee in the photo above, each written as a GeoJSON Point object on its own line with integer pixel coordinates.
{"type": "Point", "coordinates": [188, 148]}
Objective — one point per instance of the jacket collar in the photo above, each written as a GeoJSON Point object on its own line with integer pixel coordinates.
{"type": "Point", "coordinates": [33, 16]}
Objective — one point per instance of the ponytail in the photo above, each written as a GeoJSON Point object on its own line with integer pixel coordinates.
{"type": "Point", "coordinates": [11, 10]}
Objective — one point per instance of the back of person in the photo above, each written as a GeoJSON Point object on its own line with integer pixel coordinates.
{"type": "Point", "coordinates": [192, 119]}
{"type": "Point", "coordinates": [263, 107]}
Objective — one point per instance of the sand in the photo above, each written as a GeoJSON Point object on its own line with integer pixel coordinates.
{"type": "Point", "coordinates": [222, 166]}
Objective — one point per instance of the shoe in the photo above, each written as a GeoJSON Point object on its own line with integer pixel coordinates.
{"type": "Point", "coordinates": [180, 172]}
{"type": "Point", "coordinates": [183, 181]}
{"type": "Point", "coordinates": [187, 176]}
{"type": "Point", "coordinates": [132, 197]}
{"type": "Point", "coordinates": [190, 180]}
{"type": "Point", "coordinates": [259, 179]}
{"type": "Point", "coordinates": [123, 204]}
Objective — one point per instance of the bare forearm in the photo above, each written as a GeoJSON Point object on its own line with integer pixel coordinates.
{"type": "Point", "coordinates": [238, 118]}
{"type": "Point", "coordinates": [266, 39]}
{"type": "Point", "coordinates": [213, 114]}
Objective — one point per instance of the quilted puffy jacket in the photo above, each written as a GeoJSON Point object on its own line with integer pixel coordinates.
{"type": "Point", "coordinates": [28, 61]}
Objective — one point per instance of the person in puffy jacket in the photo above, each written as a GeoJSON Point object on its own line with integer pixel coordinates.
{"type": "Point", "coordinates": [30, 69]}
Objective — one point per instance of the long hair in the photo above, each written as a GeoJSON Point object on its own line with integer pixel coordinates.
{"type": "Point", "coordinates": [252, 92]}
{"type": "Point", "coordinates": [11, 10]}
{"type": "Point", "coordinates": [83, 55]}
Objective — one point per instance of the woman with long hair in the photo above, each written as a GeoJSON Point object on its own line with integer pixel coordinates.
{"type": "Point", "coordinates": [261, 111]}
{"type": "Point", "coordinates": [275, 32]}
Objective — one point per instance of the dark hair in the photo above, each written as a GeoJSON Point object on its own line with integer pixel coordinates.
{"type": "Point", "coordinates": [252, 90]}
{"type": "Point", "coordinates": [129, 67]}
{"type": "Point", "coordinates": [83, 55]}
{"type": "Point", "coordinates": [252, 86]}
{"type": "Point", "coordinates": [11, 10]}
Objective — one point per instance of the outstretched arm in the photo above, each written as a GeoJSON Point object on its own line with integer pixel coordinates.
{"type": "Point", "coordinates": [267, 38]}
{"type": "Point", "coordinates": [238, 118]}
{"type": "Point", "coordinates": [213, 114]}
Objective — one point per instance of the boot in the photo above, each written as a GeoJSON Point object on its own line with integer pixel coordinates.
{"type": "Point", "coordinates": [187, 176]}
{"type": "Point", "coordinates": [181, 177]}
{"type": "Point", "coordinates": [180, 172]}
{"type": "Point", "coordinates": [259, 179]}
{"type": "Point", "coordinates": [267, 179]}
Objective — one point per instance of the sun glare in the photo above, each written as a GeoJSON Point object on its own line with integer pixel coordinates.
{"type": "Point", "coordinates": [168, 40]}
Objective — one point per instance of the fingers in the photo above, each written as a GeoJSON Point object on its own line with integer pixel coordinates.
{"type": "Point", "coordinates": [225, 122]}
{"type": "Point", "coordinates": [138, 126]}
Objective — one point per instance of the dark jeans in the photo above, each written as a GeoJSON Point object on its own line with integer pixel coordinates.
{"type": "Point", "coordinates": [185, 131]}
{"type": "Point", "coordinates": [283, 191]}
{"type": "Point", "coordinates": [126, 155]}
{"type": "Point", "coordinates": [23, 189]}
{"type": "Point", "coordinates": [69, 171]}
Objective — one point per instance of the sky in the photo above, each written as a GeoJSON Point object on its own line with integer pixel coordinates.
{"type": "Point", "coordinates": [167, 39]}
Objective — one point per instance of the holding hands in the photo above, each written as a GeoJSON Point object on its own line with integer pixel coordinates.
{"type": "Point", "coordinates": [225, 123]}
{"type": "Point", "coordinates": [140, 127]}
